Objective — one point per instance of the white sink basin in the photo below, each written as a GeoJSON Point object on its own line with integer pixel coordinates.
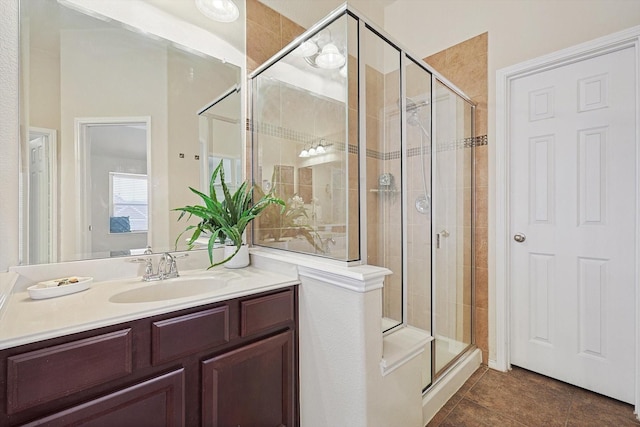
{"type": "Point", "coordinates": [170, 289]}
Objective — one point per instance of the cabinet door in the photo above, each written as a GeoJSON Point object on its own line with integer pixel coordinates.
{"type": "Point", "coordinates": [251, 386]}
{"type": "Point", "coordinates": [158, 402]}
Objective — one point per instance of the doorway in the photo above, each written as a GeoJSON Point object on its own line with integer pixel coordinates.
{"type": "Point", "coordinates": [42, 227]}
{"type": "Point", "coordinates": [114, 176]}
{"type": "Point", "coordinates": [567, 209]}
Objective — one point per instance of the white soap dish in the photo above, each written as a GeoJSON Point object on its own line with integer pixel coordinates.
{"type": "Point", "coordinates": [59, 287]}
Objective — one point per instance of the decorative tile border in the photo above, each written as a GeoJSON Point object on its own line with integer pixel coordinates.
{"type": "Point", "coordinates": [291, 135]}
{"type": "Point", "coordinates": [417, 151]}
{"type": "Point", "coordinates": [306, 138]}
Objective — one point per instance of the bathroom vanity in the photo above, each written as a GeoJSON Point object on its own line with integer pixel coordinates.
{"type": "Point", "coordinates": [217, 362]}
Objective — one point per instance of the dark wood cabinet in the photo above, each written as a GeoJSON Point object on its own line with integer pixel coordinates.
{"type": "Point", "coordinates": [232, 363]}
{"type": "Point", "coordinates": [258, 376]}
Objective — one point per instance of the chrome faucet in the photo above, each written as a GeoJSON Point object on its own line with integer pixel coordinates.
{"type": "Point", "coordinates": [167, 266]}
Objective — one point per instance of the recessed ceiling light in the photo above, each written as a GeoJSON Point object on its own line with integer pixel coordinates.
{"type": "Point", "coordinates": [218, 10]}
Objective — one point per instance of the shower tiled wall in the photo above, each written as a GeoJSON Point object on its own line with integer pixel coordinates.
{"type": "Point", "coordinates": [267, 33]}
{"type": "Point", "coordinates": [465, 65]}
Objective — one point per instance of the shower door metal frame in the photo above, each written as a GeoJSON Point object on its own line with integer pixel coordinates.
{"type": "Point", "coordinates": [437, 375]}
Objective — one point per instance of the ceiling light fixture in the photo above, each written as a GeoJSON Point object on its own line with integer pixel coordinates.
{"type": "Point", "coordinates": [219, 10]}
{"type": "Point", "coordinates": [304, 153]}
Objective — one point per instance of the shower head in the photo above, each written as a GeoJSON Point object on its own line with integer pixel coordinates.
{"type": "Point", "coordinates": [413, 108]}
{"type": "Point", "coordinates": [416, 105]}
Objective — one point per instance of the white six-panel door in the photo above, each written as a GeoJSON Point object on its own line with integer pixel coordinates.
{"type": "Point", "coordinates": [572, 203]}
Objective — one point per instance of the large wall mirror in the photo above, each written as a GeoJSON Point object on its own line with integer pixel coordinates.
{"type": "Point", "coordinates": [124, 105]}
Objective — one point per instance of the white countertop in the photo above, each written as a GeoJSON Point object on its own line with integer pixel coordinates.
{"type": "Point", "coordinates": [25, 320]}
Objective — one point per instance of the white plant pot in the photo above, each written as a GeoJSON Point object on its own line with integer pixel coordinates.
{"type": "Point", "coordinates": [241, 259]}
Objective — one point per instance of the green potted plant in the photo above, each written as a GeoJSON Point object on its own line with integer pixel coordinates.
{"type": "Point", "coordinates": [225, 219]}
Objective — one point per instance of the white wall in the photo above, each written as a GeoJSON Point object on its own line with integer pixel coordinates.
{"type": "Point", "coordinates": [518, 31]}
{"type": "Point", "coordinates": [185, 97]}
{"type": "Point", "coordinates": [9, 133]}
{"type": "Point", "coordinates": [341, 347]}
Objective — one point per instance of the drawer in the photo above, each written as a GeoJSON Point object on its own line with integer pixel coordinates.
{"type": "Point", "coordinates": [43, 375]}
{"type": "Point", "coordinates": [258, 314]}
{"type": "Point", "coordinates": [156, 402]}
{"type": "Point", "coordinates": [184, 335]}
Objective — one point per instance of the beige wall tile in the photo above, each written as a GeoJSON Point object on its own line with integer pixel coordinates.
{"type": "Point", "coordinates": [481, 166]}
{"type": "Point", "coordinates": [481, 207]}
{"type": "Point", "coordinates": [482, 331]}
{"type": "Point", "coordinates": [481, 245]}
{"type": "Point", "coordinates": [481, 118]}
{"type": "Point", "coordinates": [482, 292]}
{"type": "Point", "coordinates": [262, 43]}
{"type": "Point", "coordinates": [437, 60]}
{"type": "Point", "coordinates": [289, 30]}
{"type": "Point", "coordinates": [264, 16]}
{"type": "Point", "coordinates": [374, 83]}
{"type": "Point", "coordinates": [251, 64]}
{"type": "Point", "coordinates": [373, 134]}
{"type": "Point", "coordinates": [352, 70]}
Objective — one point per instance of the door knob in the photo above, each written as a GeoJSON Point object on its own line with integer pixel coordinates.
{"type": "Point", "coordinates": [519, 237]}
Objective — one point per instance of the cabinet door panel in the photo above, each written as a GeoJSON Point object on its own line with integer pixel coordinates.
{"type": "Point", "coordinates": [158, 402]}
{"type": "Point", "coordinates": [251, 386]}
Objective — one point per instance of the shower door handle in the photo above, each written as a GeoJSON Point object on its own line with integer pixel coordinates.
{"type": "Point", "coordinates": [519, 237]}
{"type": "Point", "coordinates": [443, 233]}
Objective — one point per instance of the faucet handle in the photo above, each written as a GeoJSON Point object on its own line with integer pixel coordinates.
{"type": "Point", "coordinates": [148, 268]}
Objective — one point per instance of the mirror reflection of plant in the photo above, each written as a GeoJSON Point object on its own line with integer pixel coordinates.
{"type": "Point", "coordinates": [227, 218]}
{"type": "Point", "coordinates": [292, 221]}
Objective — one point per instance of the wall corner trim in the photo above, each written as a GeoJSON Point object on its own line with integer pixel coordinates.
{"type": "Point", "coordinates": [358, 279]}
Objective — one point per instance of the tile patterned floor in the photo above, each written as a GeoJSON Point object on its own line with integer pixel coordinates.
{"type": "Point", "coordinates": [523, 398]}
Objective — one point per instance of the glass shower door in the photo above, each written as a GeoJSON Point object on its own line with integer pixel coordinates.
{"type": "Point", "coordinates": [418, 202]}
{"type": "Point", "coordinates": [452, 290]}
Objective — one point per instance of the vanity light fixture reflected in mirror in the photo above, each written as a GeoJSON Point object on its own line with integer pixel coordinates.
{"type": "Point", "coordinates": [313, 150]}
{"type": "Point", "coordinates": [321, 51]}
{"type": "Point", "coordinates": [330, 57]}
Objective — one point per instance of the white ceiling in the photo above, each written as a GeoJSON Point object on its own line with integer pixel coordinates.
{"type": "Point", "coordinates": [308, 12]}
